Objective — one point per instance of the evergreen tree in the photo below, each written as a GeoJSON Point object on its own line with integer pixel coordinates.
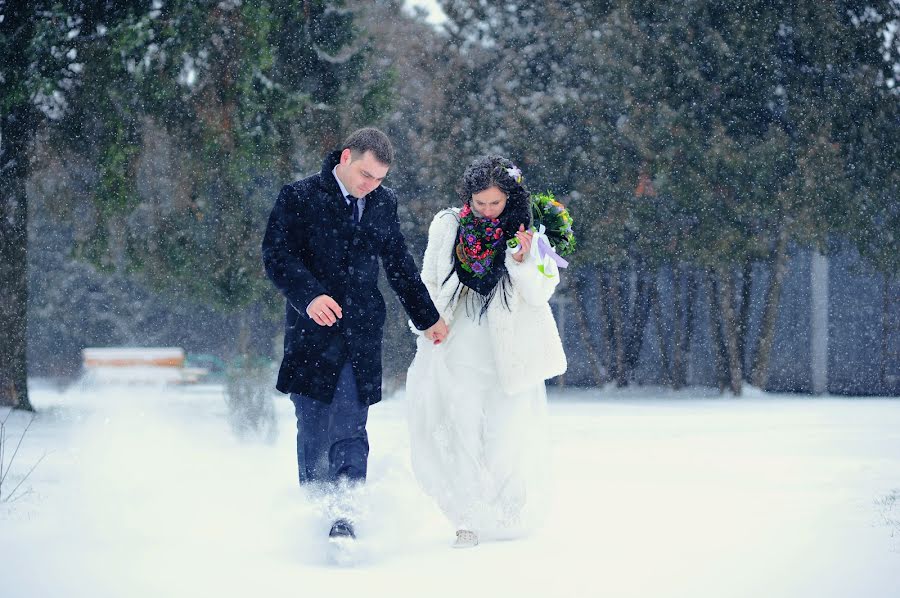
{"type": "Point", "coordinates": [235, 88]}
{"type": "Point", "coordinates": [17, 118]}
{"type": "Point", "coordinates": [712, 133]}
{"type": "Point", "coordinates": [746, 131]}
{"type": "Point", "coordinates": [43, 45]}
{"type": "Point", "coordinates": [541, 84]}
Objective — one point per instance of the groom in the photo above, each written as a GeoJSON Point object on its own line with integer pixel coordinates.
{"type": "Point", "coordinates": [321, 249]}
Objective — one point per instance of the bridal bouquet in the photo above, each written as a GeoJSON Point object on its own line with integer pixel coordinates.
{"type": "Point", "coordinates": [553, 234]}
{"type": "Point", "coordinates": [556, 220]}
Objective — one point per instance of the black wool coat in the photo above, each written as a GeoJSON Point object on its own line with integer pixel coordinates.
{"type": "Point", "coordinates": [312, 247]}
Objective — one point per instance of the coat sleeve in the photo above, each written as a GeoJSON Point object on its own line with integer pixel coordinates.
{"type": "Point", "coordinates": [437, 240]}
{"type": "Point", "coordinates": [403, 276]}
{"type": "Point", "coordinates": [530, 284]}
{"type": "Point", "coordinates": [281, 254]}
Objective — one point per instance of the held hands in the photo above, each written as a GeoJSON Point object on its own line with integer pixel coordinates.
{"type": "Point", "coordinates": [438, 332]}
{"type": "Point", "coordinates": [324, 311]}
{"type": "Point", "coordinates": [524, 237]}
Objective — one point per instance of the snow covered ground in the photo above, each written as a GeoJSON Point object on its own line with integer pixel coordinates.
{"type": "Point", "coordinates": [144, 491]}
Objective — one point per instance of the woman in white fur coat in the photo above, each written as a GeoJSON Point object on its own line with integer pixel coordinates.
{"type": "Point", "coordinates": [477, 402]}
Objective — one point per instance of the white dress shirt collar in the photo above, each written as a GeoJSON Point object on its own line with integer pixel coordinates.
{"type": "Point", "coordinates": [361, 201]}
{"type": "Point", "coordinates": [344, 191]}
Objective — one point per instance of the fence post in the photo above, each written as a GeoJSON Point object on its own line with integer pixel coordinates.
{"type": "Point", "coordinates": [818, 275]}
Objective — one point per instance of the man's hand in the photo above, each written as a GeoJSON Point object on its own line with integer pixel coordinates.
{"type": "Point", "coordinates": [438, 332]}
{"type": "Point", "coordinates": [324, 311]}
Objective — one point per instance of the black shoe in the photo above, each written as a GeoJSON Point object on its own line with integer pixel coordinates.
{"type": "Point", "coordinates": [342, 529]}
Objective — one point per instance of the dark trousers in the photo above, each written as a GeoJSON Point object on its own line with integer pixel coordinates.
{"type": "Point", "coordinates": [332, 443]}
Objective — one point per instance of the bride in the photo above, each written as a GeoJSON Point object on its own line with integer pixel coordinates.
{"type": "Point", "coordinates": [476, 399]}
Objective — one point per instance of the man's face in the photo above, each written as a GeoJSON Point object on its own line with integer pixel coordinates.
{"type": "Point", "coordinates": [361, 175]}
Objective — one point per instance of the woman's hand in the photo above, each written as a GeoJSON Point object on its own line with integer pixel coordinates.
{"type": "Point", "coordinates": [524, 237]}
{"type": "Point", "coordinates": [438, 332]}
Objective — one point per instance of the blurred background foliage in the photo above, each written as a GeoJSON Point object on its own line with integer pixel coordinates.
{"type": "Point", "coordinates": [708, 138]}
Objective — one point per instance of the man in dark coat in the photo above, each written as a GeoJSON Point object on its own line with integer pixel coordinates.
{"type": "Point", "coordinates": [321, 249]}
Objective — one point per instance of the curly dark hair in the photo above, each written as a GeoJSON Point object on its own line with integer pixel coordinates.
{"type": "Point", "coordinates": [491, 171]}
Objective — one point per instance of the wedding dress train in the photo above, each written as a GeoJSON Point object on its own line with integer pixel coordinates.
{"type": "Point", "coordinates": [479, 452]}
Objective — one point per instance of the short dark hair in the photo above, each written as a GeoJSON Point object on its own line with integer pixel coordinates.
{"type": "Point", "coordinates": [370, 139]}
{"type": "Point", "coordinates": [493, 171]}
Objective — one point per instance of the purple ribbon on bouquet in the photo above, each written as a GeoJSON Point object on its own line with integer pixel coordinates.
{"type": "Point", "coordinates": [545, 249]}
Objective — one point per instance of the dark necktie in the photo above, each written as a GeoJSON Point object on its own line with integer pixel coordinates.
{"type": "Point", "coordinates": [354, 203]}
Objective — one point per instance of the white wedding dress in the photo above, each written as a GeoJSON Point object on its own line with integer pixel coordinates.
{"type": "Point", "coordinates": [479, 452]}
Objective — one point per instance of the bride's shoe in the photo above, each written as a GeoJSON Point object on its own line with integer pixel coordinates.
{"type": "Point", "coordinates": [465, 539]}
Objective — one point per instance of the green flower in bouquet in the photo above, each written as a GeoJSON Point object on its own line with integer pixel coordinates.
{"type": "Point", "coordinates": [556, 220]}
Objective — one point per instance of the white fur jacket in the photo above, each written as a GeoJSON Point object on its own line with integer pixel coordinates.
{"type": "Point", "coordinates": [524, 338]}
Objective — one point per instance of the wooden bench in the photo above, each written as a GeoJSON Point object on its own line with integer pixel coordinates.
{"type": "Point", "coordinates": [139, 364]}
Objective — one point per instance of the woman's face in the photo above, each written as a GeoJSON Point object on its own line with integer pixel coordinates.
{"type": "Point", "coordinates": [489, 203]}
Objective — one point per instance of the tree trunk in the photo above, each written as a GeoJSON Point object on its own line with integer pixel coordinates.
{"type": "Point", "coordinates": [677, 373]}
{"type": "Point", "coordinates": [14, 132]}
{"type": "Point", "coordinates": [690, 299]}
{"type": "Point", "coordinates": [887, 329]}
{"type": "Point", "coordinates": [586, 336]}
{"type": "Point", "coordinates": [656, 302]}
{"type": "Point", "coordinates": [606, 324]}
{"type": "Point", "coordinates": [715, 327]}
{"type": "Point", "coordinates": [730, 330]}
{"type": "Point", "coordinates": [638, 319]}
{"type": "Point", "coordinates": [243, 334]}
{"type": "Point", "coordinates": [618, 324]}
{"type": "Point", "coordinates": [744, 318]}
{"type": "Point", "coordinates": [763, 353]}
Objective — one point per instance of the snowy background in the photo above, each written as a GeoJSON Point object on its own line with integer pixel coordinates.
{"type": "Point", "coordinates": [731, 168]}
{"type": "Point", "coordinates": [144, 491]}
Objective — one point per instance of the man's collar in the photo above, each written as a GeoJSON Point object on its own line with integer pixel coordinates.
{"type": "Point", "coordinates": [344, 191]}
{"type": "Point", "coordinates": [326, 178]}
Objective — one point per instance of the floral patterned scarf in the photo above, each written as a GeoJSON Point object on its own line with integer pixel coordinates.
{"type": "Point", "coordinates": [478, 243]}
{"type": "Point", "coordinates": [479, 255]}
